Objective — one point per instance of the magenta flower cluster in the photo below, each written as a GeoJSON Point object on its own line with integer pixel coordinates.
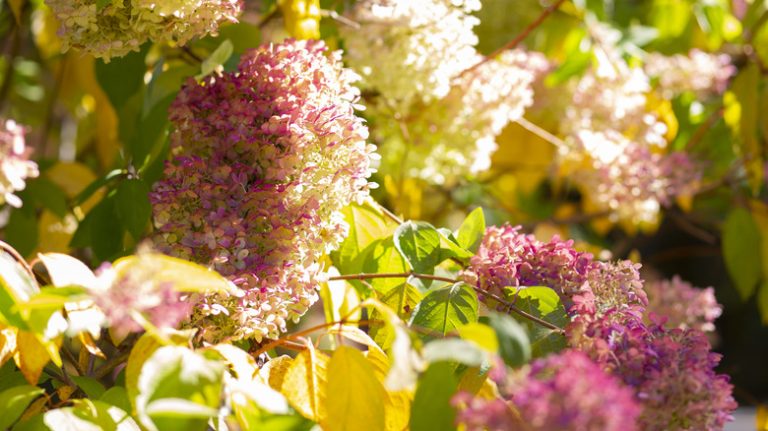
{"type": "Point", "coordinates": [683, 305]}
{"type": "Point", "coordinates": [265, 158]}
{"type": "Point", "coordinates": [555, 393]}
{"type": "Point", "coordinates": [671, 371]}
{"type": "Point", "coordinates": [508, 258]}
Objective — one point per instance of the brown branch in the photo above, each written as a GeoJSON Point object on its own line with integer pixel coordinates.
{"type": "Point", "coordinates": [508, 305]}
{"type": "Point", "coordinates": [520, 37]}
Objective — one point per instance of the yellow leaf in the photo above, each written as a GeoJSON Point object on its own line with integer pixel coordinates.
{"type": "Point", "coordinates": [526, 156]}
{"type": "Point", "coordinates": [45, 27]}
{"type": "Point", "coordinates": [16, 9]}
{"type": "Point", "coordinates": [31, 356]}
{"type": "Point", "coordinates": [65, 392]}
{"type": "Point", "coordinates": [760, 216]}
{"type": "Point", "coordinates": [357, 397]}
{"type": "Point", "coordinates": [89, 344]}
{"type": "Point", "coordinates": [397, 404]}
{"type": "Point", "coordinates": [35, 408]}
{"type": "Point", "coordinates": [305, 382]}
{"type": "Point", "coordinates": [55, 232]}
{"type": "Point", "coordinates": [339, 299]}
{"type": "Point", "coordinates": [761, 419]}
{"type": "Point", "coordinates": [142, 350]}
{"type": "Point", "coordinates": [73, 178]}
{"type": "Point", "coordinates": [7, 344]}
{"type": "Point", "coordinates": [476, 382]}
{"type": "Point", "coordinates": [482, 335]}
{"type": "Point", "coordinates": [273, 372]}
{"type": "Point", "coordinates": [302, 18]}
{"type": "Point", "coordinates": [186, 276]}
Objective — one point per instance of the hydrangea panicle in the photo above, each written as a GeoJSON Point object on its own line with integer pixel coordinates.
{"type": "Point", "coordinates": [119, 27]}
{"type": "Point", "coordinates": [699, 72]}
{"type": "Point", "coordinates": [683, 305]}
{"type": "Point", "coordinates": [15, 166]}
{"type": "Point", "coordinates": [265, 158]}
{"type": "Point", "coordinates": [555, 393]}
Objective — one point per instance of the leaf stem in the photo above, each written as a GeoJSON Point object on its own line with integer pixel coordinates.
{"type": "Point", "coordinates": [519, 38]}
{"type": "Point", "coordinates": [507, 305]}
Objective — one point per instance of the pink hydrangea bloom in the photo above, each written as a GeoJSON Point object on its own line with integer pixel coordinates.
{"type": "Point", "coordinates": [683, 305]}
{"type": "Point", "coordinates": [671, 371]}
{"type": "Point", "coordinates": [508, 258]}
{"type": "Point", "coordinates": [264, 160]}
{"type": "Point", "coordinates": [119, 27]}
{"type": "Point", "coordinates": [130, 299]}
{"type": "Point", "coordinates": [555, 393]}
{"type": "Point", "coordinates": [15, 166]}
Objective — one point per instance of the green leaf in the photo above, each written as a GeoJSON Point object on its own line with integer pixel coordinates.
{"type": "Point", "coordinates": [471, 231]}
{"type": "Point", "coordinates": [92, 387]}
{"type": "Point", "coordinates": [544, 303]}
{"type": "Point", "coordinates": [16, 287]}
{"type": "Point", "coordinates": [87, 415]}
{"type": "Point", "coordinates": [14, 401]}
{"type": "Point", "coordinates": [217, 58]}
{"type": "Point", "coordinates": [45, 193]}
{"type": "Point", "coordinates": [401, 299]}
{"type": "Point", "coordinates": [21, 232]}
{"type": "Point", "coordinates": [384, 258]}
{"type": "Point", "coordinates": [446, 309]}
{"type": "Point", "coordinates": [133, 207]}
{"type": "Point", "coordinates": [106, 231]}
{"type": "Point", "coordinates": [366, 225]}
{"type": "Point", "coordinates": [356, 397]}
{"type": "Point", "coordinates": [117, 396]}
{"type": "Point", "coordinates": [514, 345]}
{"type": "Point", "coordinates": [419, 243]}
{"type": "Point", "coordinates": [432, 402]}
{"type": "Point", "coordinates": [455, 350]}
{"type": "Point", "coordinates": [741, 251]}
{"type": "Point", "coordinates": [762, 302]}
{"type": "Point", "coordinates": [449, 247]}
{"type": "Point", "coordinates": [178, 389]}
{"type": "Point", "coordinates": [122, 77]}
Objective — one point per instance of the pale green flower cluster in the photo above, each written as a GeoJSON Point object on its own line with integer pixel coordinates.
{"type": "Point", "coordinates": [121, 26]}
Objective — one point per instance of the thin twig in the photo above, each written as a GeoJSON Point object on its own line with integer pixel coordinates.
{"type": "Point", "coordinates": [508, 305]}
{"type": "Point", "coordinates": [279, 342]}
{"type": "Point", "coordinates": [520, 37]}
{"type": "Point", "coordinates": [538, 131]}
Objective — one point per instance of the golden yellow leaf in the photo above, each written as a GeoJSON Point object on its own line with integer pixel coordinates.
{"type": "Point", "coordinates": [65, 392]}
{"type": "Point", "coordinates": [305, 382]}
{"type": "Point", "coordinates": [73, 177]}
{"type": "Point", "coordinates": [16, 9]}
{"type": "Point", "coordinates": [7, 344]}
{"type": "Point", "coordinates": [45, 28]}
{"type": "Point", "coordinates": [357, 397]}
{"type": "Point", "coordinates": [302, 18]}
{"type": "Point", "coordinates": [142, 350]}
{"type": "Point", "coordinates": [397, 405]}
{"type": "Point", "coordinates": [273, 372]}
{"type": "Point", "coordinates": [90, 344]}
{"type": "Point", "coordinates": [526, 156]}
{"type": "Point", "coordinates": [31, 356]}
{"type": "Point", "coordinates": [482, 335]}
{"type": "Point", "coordinates": [761, 419]}
{"type": "Point", "coordinates": [55, 232]}
{"type": "Point", "coordinates": [35, 408]}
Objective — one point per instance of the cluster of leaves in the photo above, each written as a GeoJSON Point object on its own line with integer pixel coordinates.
{"type": "Point", "coordinates": [402, 333]}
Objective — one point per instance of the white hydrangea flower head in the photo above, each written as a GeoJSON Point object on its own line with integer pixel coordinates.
{"type": "Point", "coordinates": [408, 50]}
{"type": "Point", "coordinates": [455, 136]}
{"type": "Point", "coordinates": [15, 166]}
{"type": "Point", "coordinates": [701, 73]}
{"type": "Point", "coordinates": [119, 27]}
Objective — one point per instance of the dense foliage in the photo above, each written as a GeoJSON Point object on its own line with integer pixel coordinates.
{"type": "Point", "coordinates": [378, 214]}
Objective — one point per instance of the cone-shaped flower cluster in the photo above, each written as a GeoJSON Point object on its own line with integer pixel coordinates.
{"type": "Point", "coordinates": [264, 159]}
{"type": "Point", "coordinates": [670, 370]}
{"type": "Point", "coordinates": [15, 166]}
{"type": "Point", "coordinates": [699, 72]}
{"type": "Point", "coordinates": [683, 305]}
{"type": "Point", "coordinates": [615, 146]}
{"type": "Point", "coordinates": [117, 27]}
{"type": "Point", "coordinates": [555, 393]}
{"type": "Point", "coordinates": [408, 50]}
{"type": "Point", "coordinates": [437, 118]}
